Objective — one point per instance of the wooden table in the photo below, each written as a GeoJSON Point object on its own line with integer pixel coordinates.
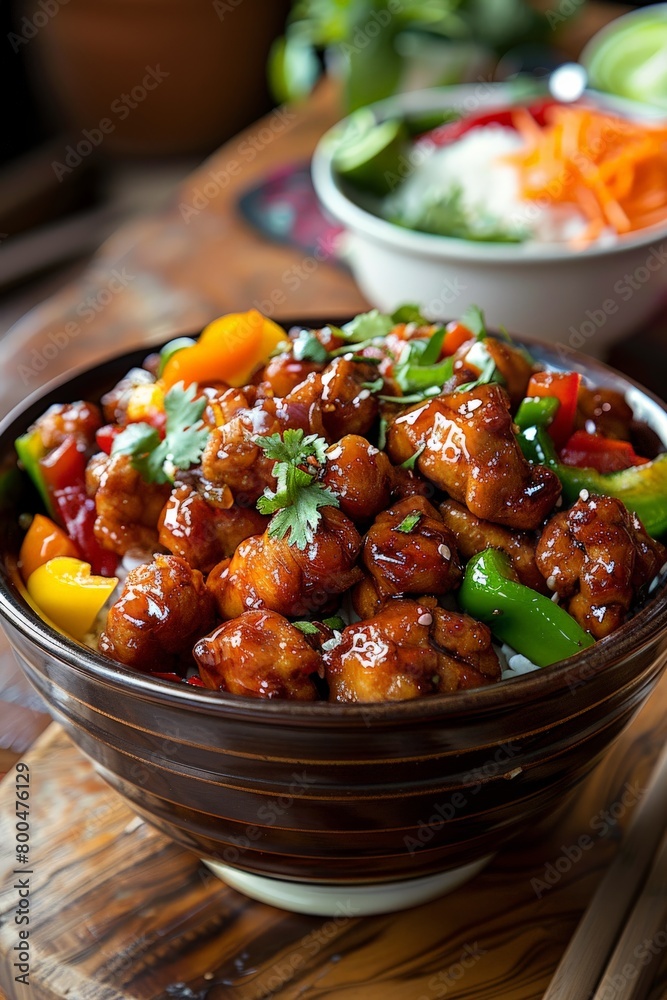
{"type": "Point", "coordinates": [118, 911]}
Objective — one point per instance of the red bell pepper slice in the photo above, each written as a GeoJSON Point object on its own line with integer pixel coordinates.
{"type": "Point", "coordinates": [592, 451]}
{"type": "Point", "coordinates": [106, 436]}
{"type": "Point", "coordinates": [564, 386]}
{"type": "Point", "coordinates": [64, 474]}
{"type": "Point", "coordinates": [451, 131]}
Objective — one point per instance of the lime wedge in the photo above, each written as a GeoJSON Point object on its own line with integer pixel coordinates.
{"type": "Point", "coordinates": [629, 57]}
{"type": "Point", "coordinates": [373, 157]}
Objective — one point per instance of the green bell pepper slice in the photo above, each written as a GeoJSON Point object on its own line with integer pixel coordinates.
{"type": "Point", "coordinates": [643, 488]}
{"type": "Point", "coordinates": [173, 347]}
{"type": "Point", "coordinates": [527, 621]}
{"type": "Point", "coordinates": [30, 450]}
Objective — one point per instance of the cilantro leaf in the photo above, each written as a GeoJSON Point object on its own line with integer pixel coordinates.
{"type": "Point", "coordinates": [368, 326]}
{"type": "Point", "coordinates": [296, 501]}
{"type": "Point", "coordinates": [184, 440]}
{"type": "Point", "coordinates": [409, 523]}
{"type": "Point", "coordinates": [409, 313]}
{"type": "Point", "coordinates": [307, 347]}
{"type": "Point", "coordinates": [293, 446]}
{"type": "Point", "coordinates": [301, 517]}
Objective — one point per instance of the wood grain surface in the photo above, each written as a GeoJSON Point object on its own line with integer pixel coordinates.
{"type": "Point", "coordinates": [120, 913]}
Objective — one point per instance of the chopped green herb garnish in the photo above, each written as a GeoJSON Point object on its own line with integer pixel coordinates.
{"type": "Point", "coordinates": [335, 622]}
{"type": "Point", "coordinates": [409, 313]}
{"type": "Point", "coordinates": [184, 440]}
{"type": "Point", "coordinates": [307, 347]}
{"type": "Point", "coordinates": [368, 326]}
{"type": "Point", "coordinates": [489, 373]}
{"type": "Point", "coordinates": [306, 627]}
{"type": "Point", "coordinates": [298, 497]}
{"type": "Point", "coordinates": [473, 319]}
{"type": "Point", "coordinates": [310, 628]}
{"type": "Point", "coordinates": [409, 523]}
{"type": "Point", "coordinates": [409, 463]}
{"type": "Point", "coordinates": [382, 431]}
{"type": "Point", "coordinates": [373, 386]}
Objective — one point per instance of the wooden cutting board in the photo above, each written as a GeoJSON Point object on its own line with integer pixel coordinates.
{"type": "Point", "coordinates": [118, 912]}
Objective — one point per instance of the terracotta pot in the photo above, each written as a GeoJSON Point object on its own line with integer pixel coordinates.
{"type": "Point", "coordinates": [169, 76]}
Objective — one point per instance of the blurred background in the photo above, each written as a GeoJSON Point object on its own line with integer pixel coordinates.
{"type": "Point", "coordinates": [66, 181]}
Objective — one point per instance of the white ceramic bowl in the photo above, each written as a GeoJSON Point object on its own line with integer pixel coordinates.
{"type": "Point", "coordinates": [581, 299]}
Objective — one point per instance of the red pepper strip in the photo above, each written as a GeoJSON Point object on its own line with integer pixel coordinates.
{"type": "Point", "coordinates": [451, 131]}
{"type": "Point", "coordinates": [106, 436]}
{"type": "Point", "coordinates": [564, 386]}
{"type": "Point", "coordinates": [78, 514]}
{"type": "Point", "coordinates": [64, 473]}
{"type": "Point", "coordinates": [592, 451]}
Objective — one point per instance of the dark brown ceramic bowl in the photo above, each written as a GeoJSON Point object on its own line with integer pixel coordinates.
{"type": "Point", "coordinates": [324, 793]}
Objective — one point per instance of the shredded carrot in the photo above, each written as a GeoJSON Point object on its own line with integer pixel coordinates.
{"type": "Point", "coordinates": [612, 169]}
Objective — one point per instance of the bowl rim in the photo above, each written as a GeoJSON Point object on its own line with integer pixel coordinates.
{"type": "Point", "coordinates": [631, 638]}
{"type": "Point", "coordinates": [331, 192]}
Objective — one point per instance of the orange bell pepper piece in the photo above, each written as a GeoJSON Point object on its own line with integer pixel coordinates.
{"type": "Point", "coordinates": [229, 350]}
{"type": "Point", "coordinates": [44, 540]}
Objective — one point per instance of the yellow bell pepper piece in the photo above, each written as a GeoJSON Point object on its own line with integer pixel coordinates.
{"type": "Point", "coordinates": [230, 350]}
{"type": "Point", "coordinates": [64, 589]}
{"type": "Point", "coordinates": [145, 402]}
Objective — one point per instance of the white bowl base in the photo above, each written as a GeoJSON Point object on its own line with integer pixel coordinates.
{"type": "Point", "coordinates": [351, 900]}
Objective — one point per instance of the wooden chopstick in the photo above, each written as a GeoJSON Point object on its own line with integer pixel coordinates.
{"type": "Point", "coordinates": [631, 968]}
{"type": "Point", "coordinates": [583, 964]}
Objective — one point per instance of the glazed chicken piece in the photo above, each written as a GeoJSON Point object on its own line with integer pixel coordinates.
{"type": "Point", "coordinates": [407, 550]}
{"type": "Point", "coordinates": [259, 654]}
{"type": "Point", "coordinates": [604, 411]}
{"type": "Point", "coordinates": [225, 402]}
{"type": "Point", "coordinates": [62, 420]}
{"type": "Point", "coordinates": [511, 362]}
{"type": "Point", "coordinates": [410, 649]}
{"type": "Point", "coordinates": [231, 456]}
{"type": "Point", "coordinates": [473, 535]}
{"type": "Point", "coordinates": [469, 450]}
{"type": "Point", "coordinates": [361, 477]}
{"type": "Point", "coordinates": [115, 402]}
{"type": "Point", "coordinates": [128, 508]}
{"type": "Point", "coordinates": [598, 557]}
{"type": "Point", "coordinates": [284, 373]}
{"type": "Point", "coordinates": [204, 525]}
{"type": "Point", "coordinates": [271, 573]}
{"type": "Point", "coordinates": [347, 405]}
{"type": "Point", "coordinates": [163, 609]}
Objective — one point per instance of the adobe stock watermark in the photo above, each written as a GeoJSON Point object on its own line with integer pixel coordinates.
{"type": "Point", "coordinates": [444, 812]}
{"type": "Point", "coordinates": [565, 10]}
{"type": "Point", "coordinates": [278, 122]}
{"type": "Point", "coordinates": [601, 825]}
{"type": "Point", "coordinates": [120, 108]}
{"type": "Point", "coordinates": [623, 290]}
{"type": "Point", "coordinates": [224, 7]}
{"type": "Point", "coordinates": [644, 952]}
{"type": "Point", "coordinates": [283, 971]}
{"type": "Point", "coordinates": [33, 24]}
{"type": "Point", "coordinates": [295, 275]}
{"type": "Point", "coordinates": [442, 982]}
{"type": "Point", "coordinates": [87, 310]}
